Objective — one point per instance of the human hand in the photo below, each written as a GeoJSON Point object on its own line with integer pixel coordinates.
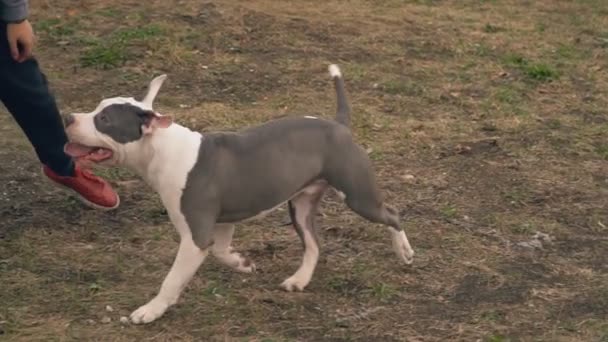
{"type": "Point", "coordinates": [21, 40]}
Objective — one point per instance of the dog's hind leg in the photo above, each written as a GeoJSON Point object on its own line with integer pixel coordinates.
{"type": "Point", "coordinates": [379, 212]}
{"type": "Point", "coordinates": [303, 209]}
{"type": "Point", "coordinates": [221, 249]}
{"type": "Point", "coordinates": [357, 182]}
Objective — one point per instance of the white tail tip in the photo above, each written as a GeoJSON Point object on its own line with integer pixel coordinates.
{"type": "Point", "coordinates": [334, 71]}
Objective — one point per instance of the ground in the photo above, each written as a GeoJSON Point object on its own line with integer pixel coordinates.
{"type": "Point", "coordinates": [486, 122]}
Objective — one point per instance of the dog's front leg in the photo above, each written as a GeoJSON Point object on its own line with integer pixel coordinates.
{"type": "Point", "coordinates": [188, 260]}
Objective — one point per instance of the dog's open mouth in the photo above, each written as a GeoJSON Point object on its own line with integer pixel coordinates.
{"type": "Point", "coordinates": [87, 153]}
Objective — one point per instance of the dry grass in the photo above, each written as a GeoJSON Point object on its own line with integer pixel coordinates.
{"type": "Point", "coordinates": [496, 108]}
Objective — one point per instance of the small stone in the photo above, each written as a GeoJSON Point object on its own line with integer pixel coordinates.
{"type": "Point", "coordinates": [106, 320]}
{"type": "Point", "coordinates": [343, 324]}
{"type": "Point", "coordinates": [124, 320]}
{"type": "Point", "coordinates": [532, 244]}
{"type": "Point", "coordinates": [109, 308]}
{"type": "Point", "coordinates": [408, 179]}
{"type": "Point", "coordinates": [543, 237]}
{"type": "Point", "coordinates": [537, 241]}
{"type": "Point", "coordinates": [90, 321]}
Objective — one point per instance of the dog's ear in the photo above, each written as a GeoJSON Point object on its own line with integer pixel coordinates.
{"type": "Point", "coordinates": [153, 89]}
{"type": "Point", "coordinates": [151, 120]}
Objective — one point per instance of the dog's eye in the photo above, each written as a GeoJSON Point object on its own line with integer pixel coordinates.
{"type": "Point", "coordinates": [103, 118]}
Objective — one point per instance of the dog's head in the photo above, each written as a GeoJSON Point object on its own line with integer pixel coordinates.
{"type": "Point", "coordinates": [117, 125]}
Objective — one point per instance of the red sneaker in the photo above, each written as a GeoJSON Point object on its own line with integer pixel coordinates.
{"type": "Point", "coordinates": [92, 190]}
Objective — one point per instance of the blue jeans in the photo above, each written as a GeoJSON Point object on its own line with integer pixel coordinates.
{"type": "Point", "coordinates": [25, 93]}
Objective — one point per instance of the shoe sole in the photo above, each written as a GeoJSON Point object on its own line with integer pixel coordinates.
{"type": "Point", "coordinates": [80, 197]}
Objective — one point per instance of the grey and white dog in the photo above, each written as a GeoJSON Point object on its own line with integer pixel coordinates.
{"type": "Point", "coordinates": [208, 182]}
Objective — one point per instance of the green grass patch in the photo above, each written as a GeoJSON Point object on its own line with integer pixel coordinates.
{"type": "Point", "coordinates": [492, 316]}
{"type": "Point", "coordinates": [602, 151]}
{"type": "Point", "coordinates": [567, 51]}
{"type": "Point", "coordinates": [114, 174]}
{"type": "Point", "coordinates": [449, 212]}
{"type": "Point", "coordinates": [524, 229]}
{"type": "Point", "coordinates": [482, 50]}
{"type": "Point", "coordinates": [489, 28]}
{"type": "Point", "coordinates": [337, 283]}
{"type": "Point", "coordinates": [554, 123]}
{"type": "Point", "coordinates": [515, 60]}
{"type": "Point", "coordinates": [383, 292]}
{"type": "Point", "coordinates": [515, 195]}
{"type": "Point", "coordinates": [533, 70]}
{"type": "Point", "coordinates": [109, 12]}
{"type": "Point", "coordinates": [541, 72]}
{"type": "Point", "coordinates": [503, 104]}
{"type": "Point", "coordinates": [214, 289]}
{"type": "Point", "coordinates": [94, 287]}
{"type": "Point", "coordinates": [420, 2]}
{"type": "Point", "coordinates": [497, 338]}
{"type": "Point", "coordinates": [602, 37]}
{"type": "Point", "coordinates": [113, 51]}
{"type": "Point", "coordinates": [604, 337]}
{"type": "Point", "coordinates": [144, 32]}
{"type": "Point", "coordinates": [56, 28]}
{"type": "Point", "coordinates": [508, 95]}
{"type": "Point", "coordinates": [356, 73]}
{"type": "Point", "coordinates": [104, 57]}
{"type": "Point", "coordinates": [541, 27]}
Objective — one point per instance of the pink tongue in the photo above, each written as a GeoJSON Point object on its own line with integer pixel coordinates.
{"type": "Point", "coordinates": [76, 150]}
{"type": "Point", "coordinates": [99, 155]}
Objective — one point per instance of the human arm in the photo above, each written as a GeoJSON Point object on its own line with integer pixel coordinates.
{"type": "Point", "coordinates": [20, 34]}
{"type": "Point", "coordinates": [13, 10]}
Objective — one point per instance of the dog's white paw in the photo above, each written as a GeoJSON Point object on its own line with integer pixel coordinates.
{"type": "Point", "coordinates": [402, 248]}
{"type": "Point", "coordinates": [293, 283]}
{"type": "Point", "coordinates": [149, 312]}
{"type": "Point", "coordinates": [245, 265]}
{"type": "Point", "coordinates": [236, 261]}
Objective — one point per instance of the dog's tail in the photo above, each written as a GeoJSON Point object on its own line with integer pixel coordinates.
{"type": "Point", "coordinates": [343, 110]}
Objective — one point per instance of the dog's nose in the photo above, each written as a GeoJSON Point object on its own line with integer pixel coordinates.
{"type": "Point", "coordinates": [68, 120]}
